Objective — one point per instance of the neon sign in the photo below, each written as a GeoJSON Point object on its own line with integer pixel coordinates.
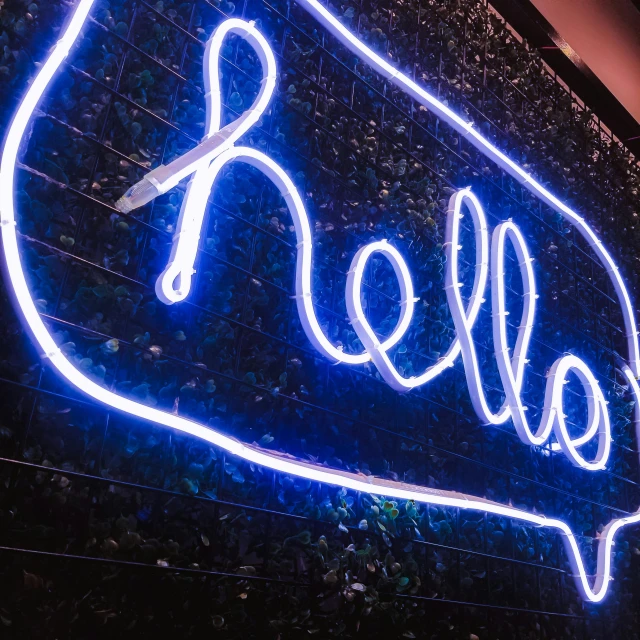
{"type": "Point", "coordinates": [218, 148]}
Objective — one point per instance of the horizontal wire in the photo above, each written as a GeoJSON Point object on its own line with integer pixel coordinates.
{"type": "Point", "coordinates": [172, 569]}
{"type": "Point", "coordinates": [198, 367]}
{"type": "Point", "coordinates": [396, 145]}
{"type": "Point", "coordinates": [437, 450]}
{"type": "Point", "coordinates": [272, 283]}
{"type": "Point", "coordinates": [432, 136]}
{"type": "Point", "coordinates": [331, 312]}
{"type": "Point", "coordinates": [540, 112]}
{"type": "Point", "coordinates": [281, 582]}
{"type": "Point", "coordinates": [589, 284]}
{"type": "Point", "coordinates": [270, 512]}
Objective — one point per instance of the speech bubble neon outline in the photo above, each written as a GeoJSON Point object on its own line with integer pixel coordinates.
{"type": "Point", "coordinates": [282, 463]}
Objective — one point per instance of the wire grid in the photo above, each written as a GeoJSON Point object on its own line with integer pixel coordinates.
{"type": "Point", "coordinates": [48, 388]}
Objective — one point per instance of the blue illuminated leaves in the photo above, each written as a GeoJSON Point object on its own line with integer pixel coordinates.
{"type": "Point", "coordinates": [377, 171]}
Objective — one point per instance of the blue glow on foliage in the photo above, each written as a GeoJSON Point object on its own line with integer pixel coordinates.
{"type": "Point", "coordinates": [204, 163]}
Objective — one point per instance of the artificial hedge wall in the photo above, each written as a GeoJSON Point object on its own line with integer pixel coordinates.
{"type": "Point", "coordinates": [110, 525]}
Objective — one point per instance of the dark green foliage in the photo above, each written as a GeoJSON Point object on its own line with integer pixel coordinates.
{"type": "Point", "coordinates": [258, 554]}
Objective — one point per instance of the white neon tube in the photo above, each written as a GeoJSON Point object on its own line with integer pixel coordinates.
{"type": "Point", "coordinates": [216, 140]}
{"type": "Point", "coordinates": [463, 323]}
{"type": "Point", "coordinates": [281, 463]}
{"type": "Point", "coordinates": [466, 129]}
{"type": "Point", "coordinates": [512, 370]}
{"type": "Point", "coordinates": [468, 316]}
{"type": "Point", "coordinates": [174, 283]}
{"type": "Point", "coordinates": [354, 296]}
{"type": "Point", "coordinates": [597, 414]}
